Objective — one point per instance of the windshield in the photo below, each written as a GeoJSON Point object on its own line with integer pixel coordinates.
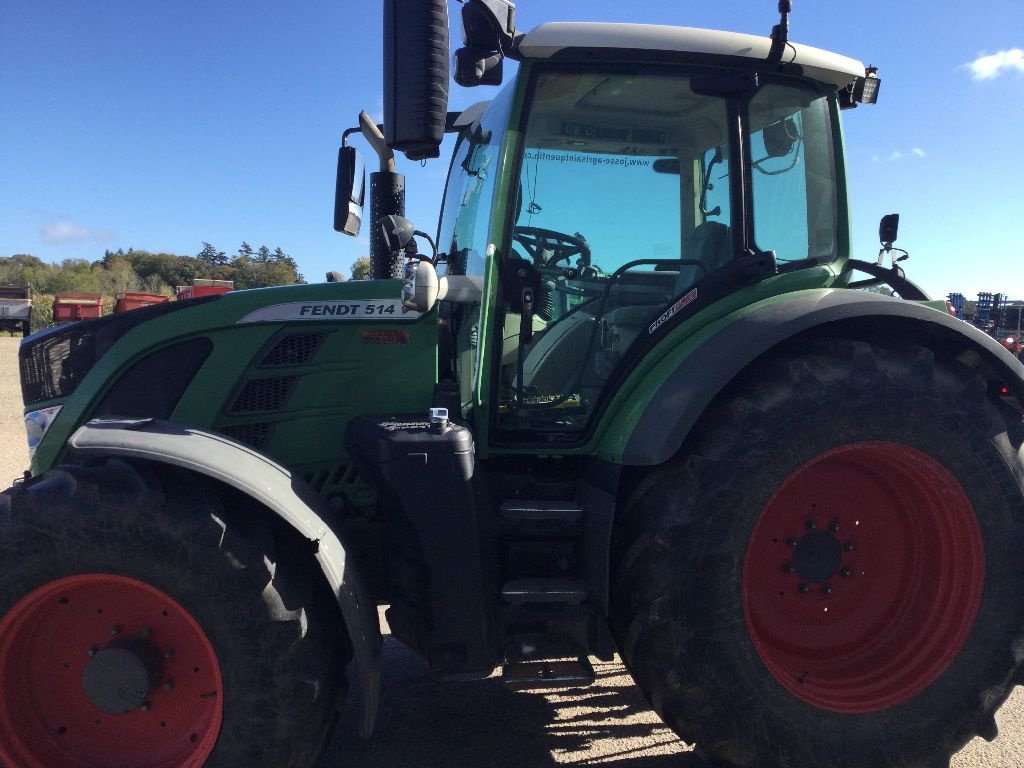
{"type": "Point", "coordinates": [626, 202]}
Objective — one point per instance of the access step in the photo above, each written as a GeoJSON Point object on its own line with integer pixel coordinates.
{"type": "Point", "coordinates": [520, 510]}
{"type": "Point", "coordinates": [566, 673]}
{"type": "Point", "coordinates": [544, 590]}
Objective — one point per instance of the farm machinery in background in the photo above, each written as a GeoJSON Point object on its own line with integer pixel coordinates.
{"type": "Point", "coordinates": [16, 309]}
{"type": "Point", "coordinates": [625, 399]}
{"type": "Point", "coordinates": [70, 307]}
{"type": "Point", "coordinates": [996, 315]}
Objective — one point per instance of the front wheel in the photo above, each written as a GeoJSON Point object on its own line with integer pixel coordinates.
{"type": "Point", "coordinates": [144, 625]}
{"type": "Point", "coordinates": [829, 574]}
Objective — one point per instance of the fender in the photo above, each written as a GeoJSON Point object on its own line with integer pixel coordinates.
{"type": "Point", "coordinates": [273, 486]}
{"type": "Point", "coordinates": [658, 431]}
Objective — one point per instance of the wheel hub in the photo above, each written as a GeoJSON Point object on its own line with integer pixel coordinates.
{"type": "Point", "coordinates": [818, 557]}
{"type": "Point", "coordinates": [117, 680]}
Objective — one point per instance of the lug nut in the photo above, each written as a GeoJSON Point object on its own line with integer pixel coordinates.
{"type": "Point", "coordinates": [115, 630]}
{"type": "Point", "coordinates": [811, 525]}
{"type": "Point", "coordinates": [788, 568]}
{"type": "Point", "coordinates": [848, 546]}
{"type": "Point", "coordinates": [846, 573]}
{"type": "Point", "coordinates": [826, 590]}
{"type": "Point", "coordinates": [804, 589]}
{"type": "Point", "coordinates": [93, 650]}
{"type": "Point", "coordinates": [833, 526]}
{"type": "Point", "coordinates": [791, 541]}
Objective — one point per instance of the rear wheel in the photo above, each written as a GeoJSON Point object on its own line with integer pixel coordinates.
{"type": "Point", "coordinates": [148, 629]}
{"type": "Point", "coordinates": [830, 573]}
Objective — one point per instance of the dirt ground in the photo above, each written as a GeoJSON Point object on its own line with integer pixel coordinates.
{"type": "Point", "coordinates": [424, 724]}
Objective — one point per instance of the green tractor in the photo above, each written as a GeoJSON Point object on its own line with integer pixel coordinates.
{"type": "Point", "coordinates": [632, 398]}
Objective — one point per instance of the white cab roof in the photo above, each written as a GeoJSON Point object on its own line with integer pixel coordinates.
{"type": "Point", "coordinates": [548, 39]}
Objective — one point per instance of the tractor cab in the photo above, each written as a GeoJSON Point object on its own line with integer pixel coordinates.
{"type": "Point", "coordinates": [598, 202]}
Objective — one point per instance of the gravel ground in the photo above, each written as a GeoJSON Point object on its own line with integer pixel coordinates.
{"type": "Point", "coordinates": [14, 452]}
{"type": "Point", "coordinates": [428, 725]}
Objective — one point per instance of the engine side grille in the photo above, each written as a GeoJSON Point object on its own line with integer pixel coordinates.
{"type": "Point", "coordinates": [54, 364]}
{"type": "Point", "coordinates": [293, 349]}
{"type": "Point", "coordinates": [254, 435]}
{"type": "Point", "coordinates": [268, 394]}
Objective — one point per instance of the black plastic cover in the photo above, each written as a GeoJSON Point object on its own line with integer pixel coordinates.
{"type": "Point", "coordinates": [415, 75]}
{"type": "Point", "coordinates": [383, 439]}
{"type": "Point", "coordinates": [440, 599]}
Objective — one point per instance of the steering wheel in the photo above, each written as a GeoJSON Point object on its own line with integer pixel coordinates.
{"type": "Point", "coordinates": [546, 247]}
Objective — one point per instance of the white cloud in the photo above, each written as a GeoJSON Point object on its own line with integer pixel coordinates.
{"type": "Point", "coordinates": [900, 154]}
{"type": "Point", "coordinates": [993, 65]}
{"type": "Point", "coordinates": [64, 230]}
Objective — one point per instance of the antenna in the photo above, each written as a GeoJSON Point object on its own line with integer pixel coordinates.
{"type": "Point", "coordinates": [780, 32]}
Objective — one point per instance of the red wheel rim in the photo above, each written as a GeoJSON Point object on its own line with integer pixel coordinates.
{"type": "Point", "coordinates": [76, 651]}
{"type": "Point", "coordinates": [863, 577]}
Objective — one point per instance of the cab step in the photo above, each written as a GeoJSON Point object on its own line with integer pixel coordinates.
{"type": "Point", "coordinates": [544, 590]}
{"type": "Point", "coordinates": [562, 673]}
{"type": "Point", "coordinates": [522, 510]}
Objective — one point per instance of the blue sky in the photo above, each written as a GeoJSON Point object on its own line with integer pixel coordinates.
{"type": "Point", "coordinates": [160, 125]}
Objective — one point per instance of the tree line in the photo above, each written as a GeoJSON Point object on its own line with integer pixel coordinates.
{"type": "Point", "coordinates": [140, 270]}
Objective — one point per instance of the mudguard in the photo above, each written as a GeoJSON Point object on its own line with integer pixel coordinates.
{"type": "Point", "coordinates": [658, 431]}
{"type": "Point", "coordinates": [273, 486]}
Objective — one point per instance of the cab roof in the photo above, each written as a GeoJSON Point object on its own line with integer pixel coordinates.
{"type": "Point", "coordinates": [554, 38]}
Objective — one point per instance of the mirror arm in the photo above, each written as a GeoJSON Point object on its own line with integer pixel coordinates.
{"type": "Point", "coordinates": [375, 138]}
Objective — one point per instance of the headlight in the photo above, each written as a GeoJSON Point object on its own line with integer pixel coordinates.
{"type": "Point", "coordinates": [36, 425]}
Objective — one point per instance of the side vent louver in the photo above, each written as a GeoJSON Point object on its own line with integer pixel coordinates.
{"type": "Point", "coordinates": [264, 394]}
{"type": "Point", "coordinates": [294, 349]}
{"type": "Point", "coordinates": [254, 435]}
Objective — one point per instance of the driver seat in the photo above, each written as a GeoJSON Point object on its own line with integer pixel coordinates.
{"type": "Point", "coordinates": [710, 244]}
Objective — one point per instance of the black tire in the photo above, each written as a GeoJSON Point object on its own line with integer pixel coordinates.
{"type": "Point", "coordinates": [251, 590]}
{"type": "Point", "coordinates": [694, 579]}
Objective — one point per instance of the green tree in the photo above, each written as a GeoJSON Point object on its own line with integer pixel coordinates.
{"type": "Point", "coordinates": [211, 256]}
{"type": "Point", "coordinates": [283, 258]}
{"type": "Point", "coordinates": [22, 268]}
{"type": "Point", "coordinates": [118, 275]}
{"type": "Point", "coordinates": [245, 251]}
{"type": "Point", "coordinates": [362, 268]}
{"type": "Point", "coordinates": [42, 311]}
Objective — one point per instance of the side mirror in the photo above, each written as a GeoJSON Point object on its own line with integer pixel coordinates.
{"type": "Point", "coordinates": [477, 66]}
{"type": "Point", "coordinates": [415, 76]}
{"type": "Point", "coordinates": [888, 227]}
{"type": "Point", "coordinates": [488, 36]}
{"type": "Point", "coordinates": [348, 191]}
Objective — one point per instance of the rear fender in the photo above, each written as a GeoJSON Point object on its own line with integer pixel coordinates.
{"type": "Point", "coordinates": [656, 432]}
{"type": "Point", "coordinates": [276, 488]}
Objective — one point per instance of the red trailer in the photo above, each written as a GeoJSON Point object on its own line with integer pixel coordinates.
{"type": "Point", "coordinates": [134, 300]}
{"type": "Point", "coordinates": [202, 287]}
{"type": "Point", "coordinates": [69, 307]}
